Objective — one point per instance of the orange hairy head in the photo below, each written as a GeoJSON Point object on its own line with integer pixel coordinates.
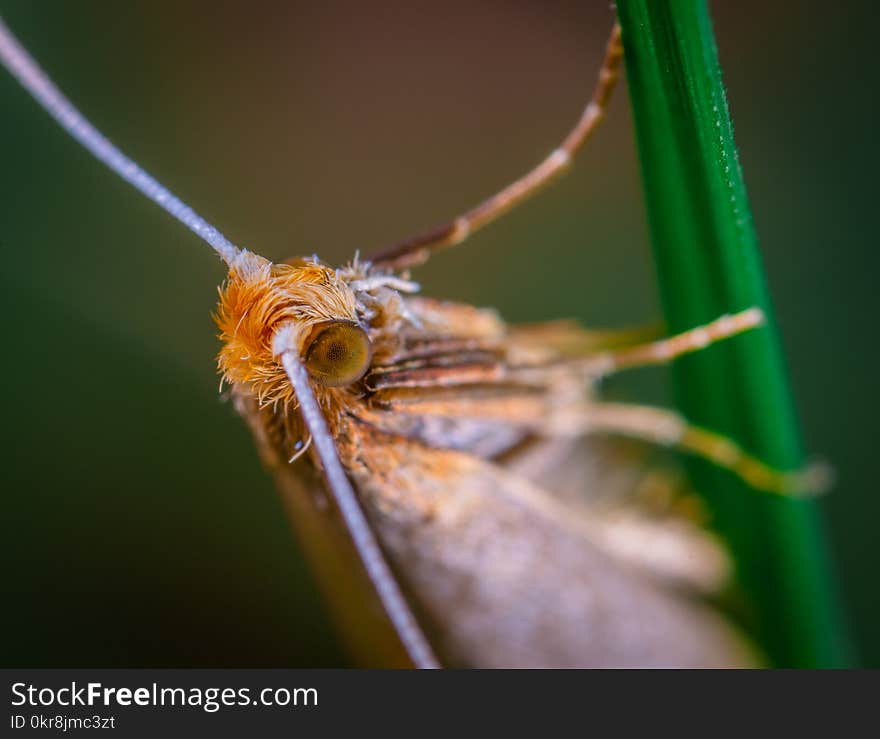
{"type": "Point", "coordinates": [260, 297]}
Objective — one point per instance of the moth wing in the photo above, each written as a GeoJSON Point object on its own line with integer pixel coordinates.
{"type": "Point", "coordinates": [506, 575]}
{"type": "Point", "coordinates": [638, 507]}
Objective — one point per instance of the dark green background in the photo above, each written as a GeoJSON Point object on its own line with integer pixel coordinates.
{"type": "Point", "coordinates": [139, 526]}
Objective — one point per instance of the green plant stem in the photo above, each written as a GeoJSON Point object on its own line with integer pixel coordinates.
{"type": "Point", "coordinates": [708, 264]}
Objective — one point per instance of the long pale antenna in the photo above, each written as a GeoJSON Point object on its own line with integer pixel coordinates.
{"type": "Point", "coordinates": [26, 70]}
{"type": "Point", "coordinates": [380, 574]}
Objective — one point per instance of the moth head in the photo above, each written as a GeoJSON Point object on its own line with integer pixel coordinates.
{"type": "Point", "coordinates": [301, 305]}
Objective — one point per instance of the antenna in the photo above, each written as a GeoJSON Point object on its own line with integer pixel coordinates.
{"type": "Point", "coordinates": [25, 69]}
{"type": "Point", "coordinates": [392, 598]}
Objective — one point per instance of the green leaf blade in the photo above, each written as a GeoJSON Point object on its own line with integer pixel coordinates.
{"type": "Point", "coordinates": [708, 264]}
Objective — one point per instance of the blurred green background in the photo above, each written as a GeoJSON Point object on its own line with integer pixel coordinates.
{"type": "Point", "coordinates": [139, 527]}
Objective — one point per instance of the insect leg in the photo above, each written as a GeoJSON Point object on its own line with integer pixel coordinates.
{"type": "Point", "coordinates": [668, 428]}
{"type": "Point", "coordinates": [416, 250]}
{"type": "Point", "coordinates": [665, 350]}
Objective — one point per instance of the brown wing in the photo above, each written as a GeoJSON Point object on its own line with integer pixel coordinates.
{"type": "Point", "coordinates": [489, 507]}
{"type": "Point", "coordinates": [508, 576]}
{"type": "Point", "coordinates": [639, 509]}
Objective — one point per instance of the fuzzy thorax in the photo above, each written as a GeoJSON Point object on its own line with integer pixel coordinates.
{"type": "Point", "coordinates": [259, 298]}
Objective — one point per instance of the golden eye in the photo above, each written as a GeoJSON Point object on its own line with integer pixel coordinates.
{"type": "Point", "coordinates": [338, 353]}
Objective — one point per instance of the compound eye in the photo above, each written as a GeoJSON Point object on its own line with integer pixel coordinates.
{"type": "Point", "coordinates": [338, 353]}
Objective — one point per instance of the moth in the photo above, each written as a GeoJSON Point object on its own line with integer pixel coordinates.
{"type": "Point", "coordinates": [458, 482]}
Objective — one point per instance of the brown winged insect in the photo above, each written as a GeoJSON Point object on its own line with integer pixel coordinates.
{"type": "Point", "coordinates": [450, 475]}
